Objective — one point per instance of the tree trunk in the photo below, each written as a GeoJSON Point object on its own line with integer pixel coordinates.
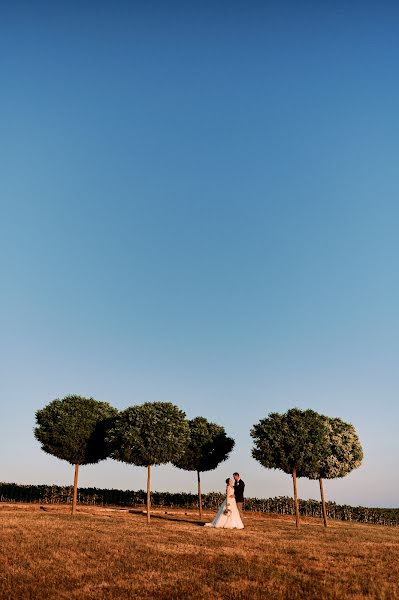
{"type": "Point", "coordinates": [148, 493]}
{"type": "Point", "coordinates": [295, 499]}
{"type": "Point", "coordinates": [199, 494]}
{"type": "Point", "coordinates": [323, 504]}
{"type": "Point", "coordinates": [75, 489]}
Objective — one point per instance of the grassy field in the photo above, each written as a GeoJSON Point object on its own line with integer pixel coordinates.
{"type": "Point", "coordinates": [112, 554]}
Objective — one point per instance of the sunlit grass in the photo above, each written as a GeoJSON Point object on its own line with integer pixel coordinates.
{"type": "Point", "coordinates": [114, 554]}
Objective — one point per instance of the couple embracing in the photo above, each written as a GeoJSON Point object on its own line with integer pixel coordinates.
{"type": "Point", "coordinates": [229, 515]}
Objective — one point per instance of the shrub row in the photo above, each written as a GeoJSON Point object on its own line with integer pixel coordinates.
{"type": "Point", "coordinates": [54, 494]}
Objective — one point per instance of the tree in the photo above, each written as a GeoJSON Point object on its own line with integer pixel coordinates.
{"type": "Point", "coordinates": [292, 442]}
{"type": "Point", "coordinates": [153, 433]}
{"type": "Point", "coordinates": [207, 447]}
{"type": "Point", "coordinates": [339, 456]}
{"type": "Point", "coordinates": [73, 429]}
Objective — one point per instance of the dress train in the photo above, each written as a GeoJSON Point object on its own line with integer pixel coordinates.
{"type": "Point", "coordinates": [228, 516]}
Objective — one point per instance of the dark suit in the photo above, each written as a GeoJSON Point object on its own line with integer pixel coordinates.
{"type": "Point", "coordinates": [239, 493]}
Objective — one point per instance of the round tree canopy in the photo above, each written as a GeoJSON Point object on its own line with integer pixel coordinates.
{"type": "Point", "coordinates": [73, 429]}
{"type": "Point", "coordinates": [294, 440]}
{"type": "Point", "coordinates": [342, 453]}
{"type": "Point", "coordinates": [207, 448]}
{"type": "Point", "coordinates": [153, 433]}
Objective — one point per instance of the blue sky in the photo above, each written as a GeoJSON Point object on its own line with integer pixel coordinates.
{"type": "Point", "coordinates": [200, 205]}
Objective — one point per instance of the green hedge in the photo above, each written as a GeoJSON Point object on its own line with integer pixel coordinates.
{"type": "Point", "coordinates": [54, 494]}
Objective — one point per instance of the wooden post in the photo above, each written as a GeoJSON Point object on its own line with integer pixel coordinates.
{"type": "Point", "coordinates": [75, 490]}
{"type": "Point", "coordinates": [295, 499]}
{"type": "Point", "coordinates": [323, 504]}
{"type": "Point", "coordinates": [199, 494]}
{"type": "Point", "coordinates": [148, 493]}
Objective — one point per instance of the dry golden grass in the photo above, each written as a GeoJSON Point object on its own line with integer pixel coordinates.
{"type": "Point", "coordinates": [111, 554]}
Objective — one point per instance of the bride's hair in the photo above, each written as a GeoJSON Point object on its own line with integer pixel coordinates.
{"type": "Point", "coordinates": [227, 480]}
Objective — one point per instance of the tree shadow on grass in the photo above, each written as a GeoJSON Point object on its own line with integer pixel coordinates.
{"type": "Point", "coordinates": [168, 517]}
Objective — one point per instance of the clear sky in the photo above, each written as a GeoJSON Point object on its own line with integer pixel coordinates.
{"type": "Point", "coordinates": [199, 204]}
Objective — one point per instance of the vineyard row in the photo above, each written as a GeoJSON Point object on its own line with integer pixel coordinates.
{"type": "Point", "coordinates": [53, 494]}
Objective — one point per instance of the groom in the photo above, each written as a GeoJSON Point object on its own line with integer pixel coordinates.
{"type": "Point", "coordinates": [239, 486]}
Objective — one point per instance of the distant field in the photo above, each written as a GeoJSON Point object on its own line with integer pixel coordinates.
{"type": "Point", "coordinates": [112, 554]}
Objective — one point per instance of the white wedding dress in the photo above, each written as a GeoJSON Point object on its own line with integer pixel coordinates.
{"type": "Point", "coordinates": [232, 519]}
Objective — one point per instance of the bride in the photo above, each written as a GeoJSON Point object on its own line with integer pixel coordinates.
{"type": "Point", "coordinates": [228, 516]}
